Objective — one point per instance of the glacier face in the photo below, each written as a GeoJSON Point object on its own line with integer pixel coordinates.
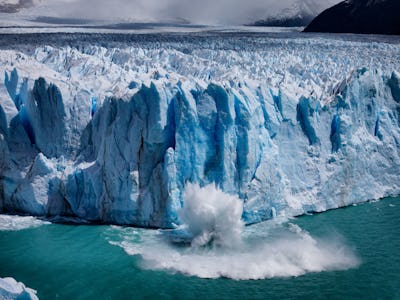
{"type": "Point", "coordinates": [114, 132]}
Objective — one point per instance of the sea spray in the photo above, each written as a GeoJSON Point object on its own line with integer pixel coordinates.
{"type": "Point", "coordinates": [211, 215]}
{"type": "Point", "coordinates": [222, 247]}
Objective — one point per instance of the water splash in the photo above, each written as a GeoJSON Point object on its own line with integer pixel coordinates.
{"type": "Point", "coordinates": [211, 215]}
{"type": "Point", "coordinates": [222, 247]}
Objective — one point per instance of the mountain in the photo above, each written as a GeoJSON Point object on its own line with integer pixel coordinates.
{"type": "Point", "coordinates": [300, 13]}
{"type": "Point", "coordinates": [359, 16]}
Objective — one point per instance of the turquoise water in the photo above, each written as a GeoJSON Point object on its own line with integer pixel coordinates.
{"type": "Point", "coordinates": [91, 262]}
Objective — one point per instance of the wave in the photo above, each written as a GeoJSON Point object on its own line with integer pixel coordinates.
{"type": "Point", "coordinates": [277, 248]}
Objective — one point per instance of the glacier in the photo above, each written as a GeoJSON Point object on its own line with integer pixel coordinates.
{"type": "Point", "coordinates": [112, 128]}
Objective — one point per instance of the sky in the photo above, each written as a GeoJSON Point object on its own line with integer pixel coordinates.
{"type": "Point", "coordinates": [194, 11]}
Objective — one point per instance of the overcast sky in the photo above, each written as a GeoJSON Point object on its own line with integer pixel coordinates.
{"type": "Point", "coordinates": [196, 11]}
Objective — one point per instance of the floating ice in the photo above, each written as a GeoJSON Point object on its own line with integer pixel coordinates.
{"type": "Point", "coordinates": [10, 289]}
{"type": "Point", "coordinates": [13, 223]}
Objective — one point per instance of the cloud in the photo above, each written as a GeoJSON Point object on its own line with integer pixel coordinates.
{"type": "Point", "coordinates": [196, 11]}
{"type": "Point", "coordinates": [205, 11]}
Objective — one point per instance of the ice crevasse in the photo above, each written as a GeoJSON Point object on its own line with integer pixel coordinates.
{"type": "Point", "coordinates": [125, 158]}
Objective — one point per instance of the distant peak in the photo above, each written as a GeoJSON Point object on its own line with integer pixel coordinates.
{"type": "Point", "coordinates": [359, 16]}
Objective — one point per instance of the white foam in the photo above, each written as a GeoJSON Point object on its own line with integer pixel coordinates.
{"type": "Point", "coordinates": [13, 223]}
{"type": "Point", "coordinates": [283, 251]}
{"type": "Point", "coordinates": [271, 249]}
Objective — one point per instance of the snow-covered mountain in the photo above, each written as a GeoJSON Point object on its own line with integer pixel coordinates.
{"type": "Point", "coordinates": [359, 16]}
{"type": "Point", "coordinates": [300, 13]}
{"type": "Point", "coordinates": [112, 128]}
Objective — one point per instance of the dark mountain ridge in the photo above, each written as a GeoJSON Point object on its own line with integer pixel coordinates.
{"type": "Point", "coordinates": [359, 16]}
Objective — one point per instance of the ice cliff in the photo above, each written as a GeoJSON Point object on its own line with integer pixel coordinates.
{"type": "Point", "coordinates": [112, 135]}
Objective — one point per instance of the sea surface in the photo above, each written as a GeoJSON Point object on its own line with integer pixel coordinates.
{"type": "Point", "coordinates": [349, 253]}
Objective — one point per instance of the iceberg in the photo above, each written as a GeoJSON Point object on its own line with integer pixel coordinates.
{"type": "Point", "coordinates": [116, 134]}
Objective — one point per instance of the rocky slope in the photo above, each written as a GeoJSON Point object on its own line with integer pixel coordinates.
{"type": "Point", "coordinates": [359, 16]}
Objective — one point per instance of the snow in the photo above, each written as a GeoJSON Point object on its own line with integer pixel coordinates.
{"type": "Point", "coordinates": [303, 8]}
{"type": "Point", "coordinates": [287, 124]}
{"type": "Point", "coordinates": [10, 289]}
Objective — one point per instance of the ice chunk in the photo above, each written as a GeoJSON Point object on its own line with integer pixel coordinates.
{"type": "Point", "coordinates": [13, 223]}
{"type": "Point", "coordinates": [10, 289]}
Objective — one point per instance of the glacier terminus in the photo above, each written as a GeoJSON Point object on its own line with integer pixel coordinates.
{"type": "Point", "coordinates": [112, 128]}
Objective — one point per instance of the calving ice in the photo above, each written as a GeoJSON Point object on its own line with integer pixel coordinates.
{"type": "Point", "coordinates": [121, 132]}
